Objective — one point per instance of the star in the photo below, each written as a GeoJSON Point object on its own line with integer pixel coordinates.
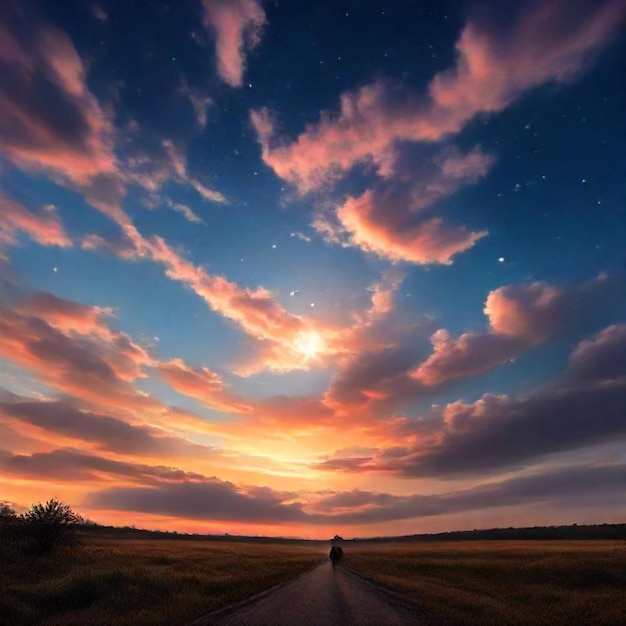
{"type": "Point", "coordinates": [312, 304]}
{"type": "Point", "coordinates": [501, 259]}
{"type": "Point", "coordinates": [55, 269]}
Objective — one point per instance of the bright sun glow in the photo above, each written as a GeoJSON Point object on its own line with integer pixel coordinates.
{"type": "Point", "coordinates": [309, 344]}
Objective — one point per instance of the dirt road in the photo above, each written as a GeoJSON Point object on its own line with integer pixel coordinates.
{"type": "Point", "coordinates": [322, 597]}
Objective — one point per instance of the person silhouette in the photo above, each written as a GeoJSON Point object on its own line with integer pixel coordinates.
{"type": "Point", "coordinates": [335, 555]}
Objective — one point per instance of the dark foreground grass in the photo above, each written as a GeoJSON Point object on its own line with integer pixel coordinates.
{"type": "Point", "coordinates": [144, 581]}
{"type": "Point", "coordinates": [503, 582]}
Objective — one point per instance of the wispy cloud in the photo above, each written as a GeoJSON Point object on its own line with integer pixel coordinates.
{"type": "Point", "coordinates": [61, 417]}
{"type": "Point", "coordinates": [237, 26]}
{"type": "Point", "coordinates": [44, 227]}
{"type": "Point", "coordinates": [215, 499]}
{"type": "Point", "coordinates": [496, 64]}
{"type": "Point", "coordinates": [201, 384]}
{"type": "Point", "coordinates": [49, 119]}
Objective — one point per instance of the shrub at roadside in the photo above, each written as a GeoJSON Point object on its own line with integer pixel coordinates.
{"type": "Point", "coordinates": [40, 530]}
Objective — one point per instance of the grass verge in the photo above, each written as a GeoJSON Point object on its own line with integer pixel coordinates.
{"type": "Point", "coordinates": [144, 581]}
{"type": "Point", "coordinates": [503, 582]}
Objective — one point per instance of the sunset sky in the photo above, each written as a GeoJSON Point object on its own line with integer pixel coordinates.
{"type": "Point", "coordinates": [304, 268]}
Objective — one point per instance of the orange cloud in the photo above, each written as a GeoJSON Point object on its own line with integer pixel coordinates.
{"type": "Point", "coordinates": [68, 348]}
{"type": "Point", "coordinates": [44, 227]}
{"type": "Point", "coordinates": [63, 418]}
{"type": "Point", "coordinates": [285, 341]}
{"type": "Point", "coordinates": [201, 384]}
{"type": "Point", "coordinates": [66, 314]}
{"type": "Point", "coordinates": [237, 26]}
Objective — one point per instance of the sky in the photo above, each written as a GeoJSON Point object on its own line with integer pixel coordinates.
{"type": "Point", "coordinates": [314, 268]}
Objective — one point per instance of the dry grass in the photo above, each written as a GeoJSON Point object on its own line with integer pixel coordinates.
{"type": "Point", "coordinates": [145, 581]}
{"type": "Point", "coordinates": [165, 581]}
{"type": "Point", "coordinates": [503, 582]}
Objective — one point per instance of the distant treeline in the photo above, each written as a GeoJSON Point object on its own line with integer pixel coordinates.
{"type": "Point", "coordinates": [128, 532]}
{"type": "Point", "coordinates": [595, 531]}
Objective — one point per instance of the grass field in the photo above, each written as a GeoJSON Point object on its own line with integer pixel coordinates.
{"type": "Point", "coordinates": [145, 581]}
{"type": "Point", "coordinates": [126, 581]}
{"type": "Point", "coordinates": [503, 582]}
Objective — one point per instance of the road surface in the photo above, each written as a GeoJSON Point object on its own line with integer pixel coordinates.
{"type": "Point", "coordinates": [322, 597]}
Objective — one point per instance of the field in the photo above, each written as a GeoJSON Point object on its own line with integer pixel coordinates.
{"type": "Point", "coordinates": [145, 581]}
{"type": "Point", "coordinates": [129, 581]}
{"type": "Point", "coordinates": [503, 582]}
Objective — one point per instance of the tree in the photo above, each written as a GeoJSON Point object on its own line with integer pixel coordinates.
{"type": "Point", "coordinates": [6, 510]}
{"type": "Point", "coordinates": [9, 524]}
{"type": "Point", "coordinates": [46, 526]}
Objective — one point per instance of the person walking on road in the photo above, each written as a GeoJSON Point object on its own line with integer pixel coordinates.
{"type": "Point", "coordinates": [335, 554]}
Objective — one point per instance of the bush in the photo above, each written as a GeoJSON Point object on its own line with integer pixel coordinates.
{"type": "Point", "coordinates": [46, 526]}
{"type": "Point", "coordinates": [9, 531]}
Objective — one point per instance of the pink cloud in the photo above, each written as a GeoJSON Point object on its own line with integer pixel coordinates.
{"type": "Point", "coordinates": [66, 314]}
{"type": "Point", "coordinates": [583, 408]}
{"type": "Point", "coordinates": [44, 227]}
{"type": "Point", "coordinates": [469, 355]}
{"type": "Point", "coordinates": [64, 131]}
{"type": "Point", "coordinates": [122, 246]}
{"type": "Point", "coordinates": [529, 312]}
{"type": "Point", "coordinates": [255, 310]}
{"type": "Point", "coordinates": [49, 120]}
{"type": "Point", "coordinates": [384, 366]}
{"type": "Point", "coordinates": [520, 316]}
{"type": "Point", "coordinates": [364, 130]}
{"type": "Point", "coordinates": [497, 63]}
{"type": "Point", "coordinates": [206, 193]}
{"type": "Point", "coordinates": [186, 212]}
{"type": "Point", "coordinates": [602, 356]}
{"type": "Point", "coordinates": [548, 41]}
{"type": "Point", "coordinates": [237, 26]}
{"type": "Point", "coordinates": [502, 431]}
{"type": "Point", "coordinates": [430, 241]}
{"type": "Point", "coordinates": [388, 220]}
{"type": "Point", "coordinates": [174, 167]}
{"type": "Point", "coordinates": [551, 41]}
